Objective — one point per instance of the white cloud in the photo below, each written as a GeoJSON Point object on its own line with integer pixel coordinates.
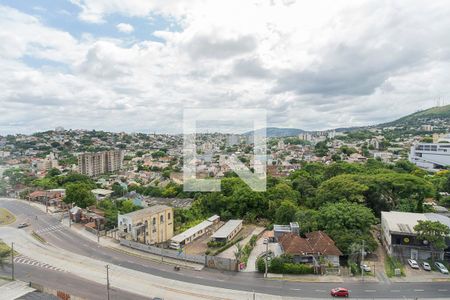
{"type": "Point", "coordinates": [313, 65]}
{"type": "Point", "coordinates": [124, 27]}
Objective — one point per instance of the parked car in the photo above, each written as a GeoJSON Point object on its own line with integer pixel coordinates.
{"type": "Point", "coordinates": [426, 266]}
{"type": "Point", "coordinates": [413, 264]}
{"type": "Point", "coordinates": [441, 268]}
{"type": "Point", "coordinates": [23, 225]}
{"type": "Point", "coordinates": [365, 268]}
{"type": "Point", "coordinates": [339, 292]}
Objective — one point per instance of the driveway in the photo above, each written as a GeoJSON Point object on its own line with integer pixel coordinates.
{"type": "Point", "coordinates": [259, 249]}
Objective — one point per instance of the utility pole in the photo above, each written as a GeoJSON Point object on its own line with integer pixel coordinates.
{"type": "Point", "coordinates": [98, 230]}
{"type": "Point", "coordinates": [70, 221]}
{"type": "Point", "coordinates": [266, 241]}
{"type": "Point", "coordinates": [12, 261]}
{"type": "Point", "coordinates": [362, 261]}
{"type": "Point", "coordinates": [107, 280]}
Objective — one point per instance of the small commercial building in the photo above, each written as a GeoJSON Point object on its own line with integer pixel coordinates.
{"type": "Point", "coordinates": [400, 239]}
{"type": "Point", "coordinates": [151, 225]}
{"type": "Point", "coordinates": [195, 232]}
{"type": "Point", "coordinates": [228, 231]}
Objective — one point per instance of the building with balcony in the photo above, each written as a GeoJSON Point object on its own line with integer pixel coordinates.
{"type": "Point", "coordinates": [151, 225]}
{"type": "Point", "coordinates": [94, 164]}
{"type": "Point", "coordinates": [429, 156]}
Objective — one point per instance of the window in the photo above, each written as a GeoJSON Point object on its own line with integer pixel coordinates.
{"type": "Point", "coordinates": [154, 221]}
{"type": "Point", "coordinates": [168, 216]}
{"type": "Point", "coordinates": [161, 219]}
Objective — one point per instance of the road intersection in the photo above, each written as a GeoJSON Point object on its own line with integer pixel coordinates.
{"type": "Point", "coordinates": [85, 259]}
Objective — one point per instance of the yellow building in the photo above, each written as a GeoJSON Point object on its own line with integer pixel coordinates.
{"type": "Point", "coordinates": [151, 225]}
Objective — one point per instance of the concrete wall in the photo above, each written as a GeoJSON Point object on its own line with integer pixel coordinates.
{"type": "Point", "coordinates": [207, 260]}
{"type": "Point", "coordinates": [60, 294]}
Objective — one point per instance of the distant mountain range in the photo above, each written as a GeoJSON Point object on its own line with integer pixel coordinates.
{"type": "Point", "coordinates": [421, 117]}
{"type": "Point", "coordinates": [416, 119]}
{"type": "Point", "coordinates": [277, 132]}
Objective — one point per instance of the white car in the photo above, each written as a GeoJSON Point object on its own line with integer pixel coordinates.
{"type": "Point", "coordinates": [441, 268]}
{"type": "Point", "coordinates": [365, 268]}
{"type": "Point", "coordinates": [413, 264]}
{"type": "Point", "coordinates": [426, 266]}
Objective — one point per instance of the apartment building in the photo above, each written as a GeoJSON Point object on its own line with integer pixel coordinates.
{"type": "Point", "coordinates": [151, 225]}
{"type": "Point", "coordinates": [93, 164]}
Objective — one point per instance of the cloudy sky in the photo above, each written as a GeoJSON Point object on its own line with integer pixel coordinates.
{"type": "Point", "coordinates": [133, 65]}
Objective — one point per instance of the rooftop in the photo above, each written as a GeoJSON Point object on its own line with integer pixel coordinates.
{"type": "Point", "coordinates": [191, 231]}
{"type": "Point", "coordinates": [404, 222]}
{"type": "Point", "coordinates": [226, 229]}
{"type": "Point", "coordinates": [147, 211]}
{"type": "Point", "coordinates": [102, 192]}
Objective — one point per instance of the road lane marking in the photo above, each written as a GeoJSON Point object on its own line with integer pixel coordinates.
{"type": "Point", "coordinates": [320, 291]}
{"type": "Point", "coordinates": [395, 291]}
{"type": "Point", "coordinates": [296, 289]}
{"type": "Point", "coordinates": [370, 291]}
{"type": "Point", "coordinates": [419, 290]}
{"type": "Point", "coordinates": [442, 290]}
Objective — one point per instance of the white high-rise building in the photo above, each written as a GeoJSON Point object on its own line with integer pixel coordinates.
{"type": "Point", "coordinates": [430, 156]}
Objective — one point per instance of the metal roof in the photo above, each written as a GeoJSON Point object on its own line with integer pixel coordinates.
{"type": "Point", "coordinates": [226, 229]}
{"type": "Point", "coordinates": [404, 222]}
{"type": "Point", "coordinates": [191, 231]}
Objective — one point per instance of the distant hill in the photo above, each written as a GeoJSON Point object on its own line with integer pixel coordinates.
{"type": "Point", "coordinates": [422, 117]}
{"type": "Point", "coordinates": [277, 132]}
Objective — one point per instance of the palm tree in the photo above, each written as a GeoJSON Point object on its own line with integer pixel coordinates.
{"type": "Point", "coordinates": [238, 252]}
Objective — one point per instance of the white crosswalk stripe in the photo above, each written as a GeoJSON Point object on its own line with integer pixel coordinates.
{"type": "Point", "coordinates": [29, 261]}
{"type": "Point", "coordinates": [50, 229]}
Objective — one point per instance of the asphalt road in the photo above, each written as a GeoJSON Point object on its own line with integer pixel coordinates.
{"type": "Point", "coordinates": [67, 283]}
{"type": "Point", "coordinates": [63, 238]}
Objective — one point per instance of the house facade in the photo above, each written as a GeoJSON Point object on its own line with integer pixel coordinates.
{"type": "Point", "coordinates": [151, 225]}
{"type": "Point", "coordinates": [316, 246]}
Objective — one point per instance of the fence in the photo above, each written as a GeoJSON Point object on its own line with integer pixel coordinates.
{"type": "Point", "coordinates": [60, 294]}
{"type": "Point", "coordinates": [206, 260]}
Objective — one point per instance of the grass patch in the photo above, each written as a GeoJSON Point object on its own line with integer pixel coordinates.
{"type": "Point", "coordinates": [6, 217]}
{"type": "Point", "coordinates": [38, 237]}
{"type": "Point", "coordinates": [6, 248]}
{"type": "Point", "coordinates": [390, 264]}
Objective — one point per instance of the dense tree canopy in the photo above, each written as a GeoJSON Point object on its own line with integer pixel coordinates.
{"type": "Point", "coordinates": [80, 194]}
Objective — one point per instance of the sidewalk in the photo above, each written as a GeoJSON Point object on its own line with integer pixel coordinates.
{"type": "Point", "coordinates": [114, 245]}
{"type": "Point", "coordinates": [14, 289]}
{"type": "Point", "coordinates": [306, 278]}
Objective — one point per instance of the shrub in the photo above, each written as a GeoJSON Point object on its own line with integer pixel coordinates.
{"type": "Point", "coordinates": [213, 244]}
{"type": "Point", "coordinates": [278, 265]}
{"type": "Point", "coordinates": [391, 264]}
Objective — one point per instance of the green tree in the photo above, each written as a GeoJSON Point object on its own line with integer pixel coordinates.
{"type": "Point", "coordinates": [80, 194]}
{"type": "Point", "coordinates": [118, 190]}
{"type": "Point", "coordinates": [342, 187]}
{"type": "Point", "coordinates": [434, 233]}
{"type": "Point", "coordinates": [5, 253]}
{"type": "Point", "coordinates": [285, 213]}
{"type": "Point", "coordinates": [53, 172]}
{"type": "Point", "coordinates": [346, 223]}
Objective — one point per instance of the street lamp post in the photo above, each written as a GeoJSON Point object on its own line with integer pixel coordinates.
{"type": "Point", "coordinates": [107, 280]}
{"type": "Point", "coordinates": [266, 241]}
{"type": "Point", "coordinates": [12, 261]}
